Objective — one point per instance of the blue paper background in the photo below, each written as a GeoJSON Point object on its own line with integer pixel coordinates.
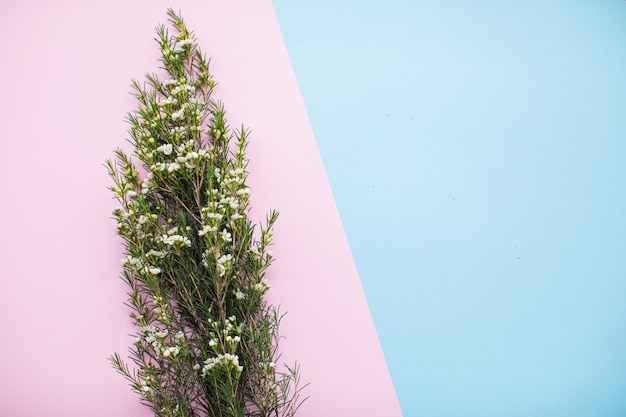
{"type": "Point", "coordinates": [476, 151]}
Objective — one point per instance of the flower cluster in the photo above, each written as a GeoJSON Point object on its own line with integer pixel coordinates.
{"type": "Point", "coordinates": [156, 338]}
{"type": "Point", "coordinates": [195, 266]}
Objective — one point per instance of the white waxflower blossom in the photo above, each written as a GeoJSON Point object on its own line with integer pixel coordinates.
{"type": "Point", "coordinates": [205, 254]}
{"type": "Point", "coordinates": [232, 202]}
{"type": "Point", "coordinates": [254, 250]}
{"type": "Point", "coordinates": [159, 166]}
{"type": "Point", "coordinates": [226, 236]}
{"type": "Point", "coordinates": [174, 166]}
{"type": "Point", "coordinates": [172, 240]}
{"type": "Point", "coordinates": [262, 286]}
{"type": "Point", "coordinates": [179, 114]}
{"type": "Point", "coordinates": [146, 186]}
{"type": "Point", "coordinates": [184, 42]}
{"type": "Point", "coordinates": [178, 130]}
{"type": "Point", "coordinates": [185, 88]}
{"type": "Point", "coordinates": [168, 101]}
{"type": "Point", "coordinates": [158, 253]}
{"type": "Point", "coordinates": [204, 230]}
{"type": "Point", "coordinates": [171, 351]}
{"type": "Point", "coordinates": [130, 260]}
{"type": "Point", "coordinates": [222, 262]}
{"type": "Point", "coordinates": [165, 149]}
{"type": "Point", "coordinates": [225, 258]}
{"type": "Point", "coordinates": [209, 364]}
{"type": "Point", "coordinates": [216, 216]}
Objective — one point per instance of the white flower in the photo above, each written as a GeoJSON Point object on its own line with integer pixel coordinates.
{"type": "Point", "coordinates": [167, 101]}
{"type": "Point", "coordinates": [226, 236]}
{"type": "Point", "coordinates": [206, 229]}
{"type": "Point", "coordinates": [222, 262]}
{"type": "Point", "coordinates": [173, 167]}
{"type": "Point", "coordinates": [179, 114]}
{"type": "Point", "coordinates": [172, 240]}
{"type": "Point", "coordinates": [184, 42]}
{"type": "Point", "coordinates": [178, 129]}
{"type": "Point", "coordinates": [146, 185]}
{"type": "Point", "coordinates": [225, 258]}
{"type": "Point", "coordinates": [262, 286]}
{"type": "Point", "coordinates": [165, 149]}
{"type": "Point", "coordinates": [216, 216]}
{"type": "Point", "coordinates": [172, 350]}
{"type": "Point", "coordinates": [255, 252]}
{"type": "Point", "coordinates": [157, 253]}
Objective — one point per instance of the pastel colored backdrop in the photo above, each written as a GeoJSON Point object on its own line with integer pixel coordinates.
{"type": "Point", "coordinates": [477, 154]}
{"type": "Point", "coordinates": [67, 66]}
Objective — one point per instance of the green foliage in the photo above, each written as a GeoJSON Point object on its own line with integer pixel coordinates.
{"type": "Point", "coordinates": [207, 340]}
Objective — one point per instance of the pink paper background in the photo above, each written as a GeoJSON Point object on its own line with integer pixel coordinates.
{"type": "Point", "coordinates": [64, 94]}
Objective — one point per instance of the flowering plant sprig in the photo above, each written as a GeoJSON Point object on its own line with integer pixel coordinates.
{"type": "Point", "coordinates": [207, 340]}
